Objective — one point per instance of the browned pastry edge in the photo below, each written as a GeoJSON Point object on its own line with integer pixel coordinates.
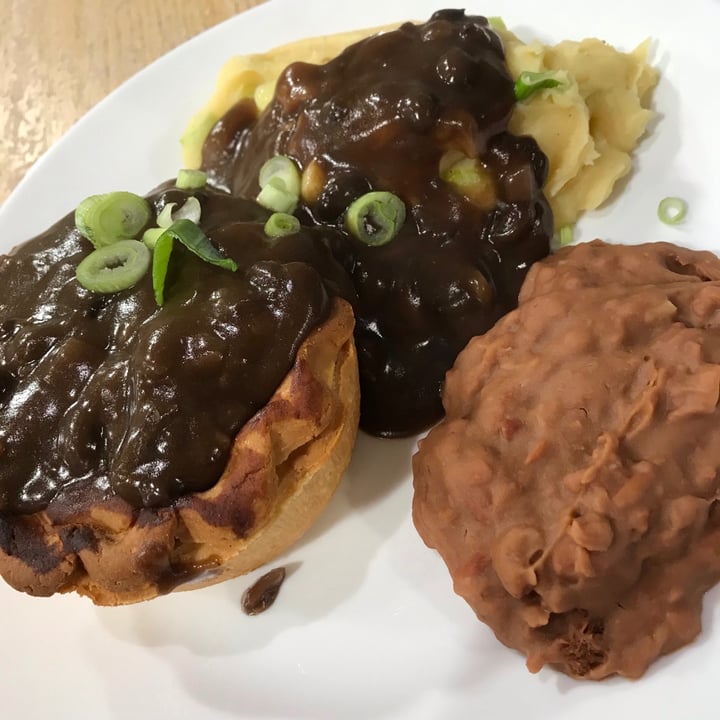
{"type": "Point", "coordinates": [285, 465]}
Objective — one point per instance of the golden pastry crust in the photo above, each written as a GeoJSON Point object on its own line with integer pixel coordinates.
{"type": "Point", "coordinates": [285, 465]}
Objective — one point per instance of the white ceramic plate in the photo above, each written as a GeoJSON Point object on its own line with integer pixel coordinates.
{"type": "Point", "coordinates": [367, 626]}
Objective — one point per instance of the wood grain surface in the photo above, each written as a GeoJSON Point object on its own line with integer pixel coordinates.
{"type": "Point", "coordinates": [58, 58]}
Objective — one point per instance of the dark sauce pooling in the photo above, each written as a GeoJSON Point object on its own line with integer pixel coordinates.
{"type": "Point", "coordinates": [109, 394]}
{"type": "Point", "coordinates": [381, 116]}
{"type": "Point", "coordinates": [263, 593]}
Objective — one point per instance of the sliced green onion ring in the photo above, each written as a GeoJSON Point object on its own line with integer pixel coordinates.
{"type": "Point", "coordinates": [151, 235]}
{"type": "Point", "coordinates": [195, 240]}
{"type": "Point", "coordinates": [274, 197]}
{"type": "Point", "coordinates": [672, 210]}
{"type": "Point", "coordinates": [530, 82]}
{"type": "Point", "coordinates": [376, 217]}
{"type": "Point", "coordinates": [563, 236]}
{"type": "Point", "coordinates": [160, 263]}
{"type": "Point", "coordinates": [469, 177]}
{"type": "Point", "coordinates": [114, 267]}
{"type": "Point", "coordinates": [279, 181]}
{"type": "Point", "coordinates": [281, 167]}
{"type": "Point", "coordinates": [188, 179]}
{"type": "Point", "coordinates": [105, 219]}
{"type": "Point", "coordinates": [264, 94]}
{"type": "Point", "coordinates": [164, 219]}
{"type": "Point", "coordinates": [466, 173]}
{"type": "Point", "coordinates": [497, 23]}
{"type": "Point", "coordinates": [281, 224]}
{"type": "Point", "coordinates": [189, 210]}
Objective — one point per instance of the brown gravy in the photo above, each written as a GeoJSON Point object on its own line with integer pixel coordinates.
{"type": "Point", "coordinates": [380, 117]}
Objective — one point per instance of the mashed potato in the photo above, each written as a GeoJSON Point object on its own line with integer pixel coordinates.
{"type": "Point", "coordinates": [587, 128]}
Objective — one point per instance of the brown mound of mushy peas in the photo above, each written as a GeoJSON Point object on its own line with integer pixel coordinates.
{"type": "Point", "coordinates": [573, 487]}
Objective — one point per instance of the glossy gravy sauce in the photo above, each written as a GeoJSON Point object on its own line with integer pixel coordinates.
{"type": "Point", "coordinates": [381, 116]}
{"type": "Point", "coordinates": [112, 394]}
{"type": "Point", "coordinates": [109, 394]}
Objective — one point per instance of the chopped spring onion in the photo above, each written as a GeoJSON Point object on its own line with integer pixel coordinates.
{"type": "Point", "coordinates": [191, 179]}
{"type": "Point", "coordinates": [283, 168]}
{"type": "Point", "coordinates": [279, 181]}
{"type": "Point", "coordinates": [195, 240]}
{"type": "Point", "coordinates": [672, 210]}
{"type": "Point", "coordinates": [151, 235]}
{"type": "Point", "coordinates": [464, 172]}
{"type": "Point", "coordinates": [105, 219]}
{"type": "Point", "coordinates": [114, 267]}
{"type": "Point", "coordinates": [274, 197]}
{"type": "Point", "coordinates": [164, 219]}
{"type": "Point", "coordinates": [376, 217]}
{"type": "Point", "coordinates": [160, 263]}
{"type": "Point", "coordinates": [497, 23]}
{"type": "Point", "coordinates": [564, 236]}
{"type": "Point", "coordinates": [530, 82]}
{"type": "Point", "coordinates": [470, 177]}
{"type": "Point", "coordinates": [281, 224]}
{"type": "Point", "coordinates": [190, 210]}
{"type": "Point", "coordinates": [264, 94]}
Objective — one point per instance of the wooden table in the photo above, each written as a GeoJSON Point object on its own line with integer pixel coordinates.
{"type": "Point", "coordinates": [60, 57]}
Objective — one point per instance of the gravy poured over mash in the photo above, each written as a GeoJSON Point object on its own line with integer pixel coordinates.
{"type": "Point", "coordinates": [587, 130]}
{"type": "Point", "coordinates": [397, 113]}
{"type": "Point", "coordinates": [126, 473]}
{"type": "Point", "coordinates": [381, 116]}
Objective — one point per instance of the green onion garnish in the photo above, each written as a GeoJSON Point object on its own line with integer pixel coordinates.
{"type": "Point", "coordinates": [151, 235]}
{"type": "Point", "coordinates": [189, 210]}
{"type": "Point", "coordinates": [281, 224]}
{"type": "Point", "coordinates": [672, 210]}
{"type": "Point", "coordinates": [497, 23]}
{"type": "Point", "coordinates": [191, 179]}
{"type": "Point", "coordinates": [195, 240]}
{"type": "Point", "coordinates": [160, 263]}
{"type": "Point", "coordinates": [564, 236]}
{"type": "Point", "coordinates": [470, 177]}
{"type": "Point", "coordinates": [105, 219]}
{"type": "Point", "coordinates": [376, 217]}
{"type": "Point", "coordinates": [114, 267]}
{"type": "Point", "coordinates": [274, 197]}
{"type": "Point", "coordinates": [283, 168]}
{"type": "Point", "coordinates": [463, 172]}
{"type": "Point", "coordinates": [530, 82]}
{"type": "Point", "coordinates": [279, 181]}
{"type": "Point", "coordinates": [164, 219]}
